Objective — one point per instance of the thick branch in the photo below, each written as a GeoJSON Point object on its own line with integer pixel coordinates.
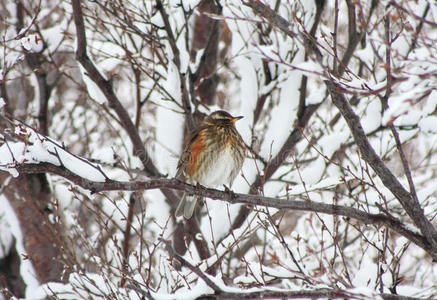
{"type": "Point", "coordinates": [320, 293]}
{"type": "Point", "coordinates": [353, 36]}
{"type": "Point", "coordinates": [111, 185]}
{"type": "Point", "coordinates": [44, 242]}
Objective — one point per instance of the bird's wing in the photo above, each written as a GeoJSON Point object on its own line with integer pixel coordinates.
{"type": "Point", "coordinates": [185, 156]}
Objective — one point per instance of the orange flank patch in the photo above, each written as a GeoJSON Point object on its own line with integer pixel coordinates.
{"type": "Point", "coordinates": [196, 148]}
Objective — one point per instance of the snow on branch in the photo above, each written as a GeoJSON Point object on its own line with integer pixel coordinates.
{"type": "Point", "coordinates": [30, 147]}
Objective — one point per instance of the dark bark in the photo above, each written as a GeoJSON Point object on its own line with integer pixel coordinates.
{"type": "Point", "coordinates": [29, 196]}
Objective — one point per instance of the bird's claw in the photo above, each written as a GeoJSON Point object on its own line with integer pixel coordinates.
{"type": "Point", "coordinates": [228, 190]}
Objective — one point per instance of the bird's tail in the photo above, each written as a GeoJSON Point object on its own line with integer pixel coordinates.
{"type": "Point", "coordinates": [186, 206]}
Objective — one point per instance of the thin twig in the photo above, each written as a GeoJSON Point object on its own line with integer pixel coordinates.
{"type": "Point", "coordinates": [334, 36]}
{"type": "Point", "coordinates": [177, 61]}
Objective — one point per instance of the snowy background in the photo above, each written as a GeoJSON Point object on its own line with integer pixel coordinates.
{"type": "Point", "coordinates": [168, 65]}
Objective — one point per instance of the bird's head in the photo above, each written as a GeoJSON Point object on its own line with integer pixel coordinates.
{"type": "Point", "coordinates": [221, 117]}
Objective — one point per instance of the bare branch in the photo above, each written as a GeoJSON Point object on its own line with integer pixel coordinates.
{"type": "Point", "coordinates": [127, 237]}
{"type": "Point", "coordinates": [418, 29]}
{"type": "Point", "coordinates": [353, 36]}
{"type": "Point", "coordinates": [111, 185]}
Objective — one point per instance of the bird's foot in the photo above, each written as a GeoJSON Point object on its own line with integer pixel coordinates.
{"type": "Point", "coordinates": [229, 192]}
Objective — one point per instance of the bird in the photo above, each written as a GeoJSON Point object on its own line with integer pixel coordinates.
{"type": "Point", "coordinates": [212, 157]}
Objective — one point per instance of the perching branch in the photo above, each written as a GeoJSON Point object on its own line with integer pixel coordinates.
{"type": "Point", "coordinates": [349, 212]}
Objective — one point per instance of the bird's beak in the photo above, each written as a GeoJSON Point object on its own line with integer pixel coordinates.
{"type": "Point", "coordinates": [235, 119]}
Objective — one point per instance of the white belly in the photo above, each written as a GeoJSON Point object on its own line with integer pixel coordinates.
{"type": "Point", "coordinates": [221, 172]}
